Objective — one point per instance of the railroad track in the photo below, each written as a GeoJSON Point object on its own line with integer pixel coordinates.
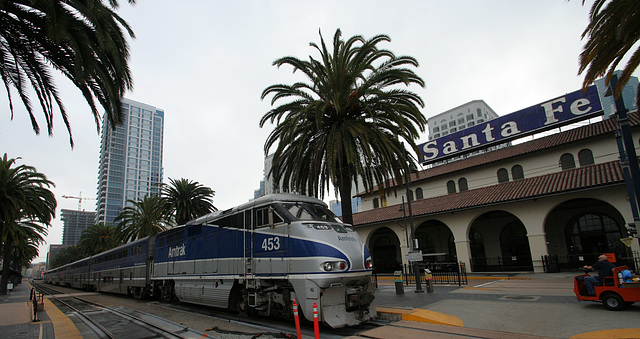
{"type": "Point", "coordinates": [108, 322]}
{"type": "Point", "coordinates": [110, 319]}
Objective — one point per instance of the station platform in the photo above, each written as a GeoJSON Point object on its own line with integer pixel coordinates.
{"type": "Point", "coordinates": [17, 317]}
{"type": "Point", "coordinates": [407, 312]}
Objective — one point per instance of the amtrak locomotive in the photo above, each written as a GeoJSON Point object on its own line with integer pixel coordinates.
{"type": "Point", "coordinates": [255, 258]}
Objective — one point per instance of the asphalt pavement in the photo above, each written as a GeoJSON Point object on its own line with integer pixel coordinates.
{"type": "Point", "coordinates": [541, 304]}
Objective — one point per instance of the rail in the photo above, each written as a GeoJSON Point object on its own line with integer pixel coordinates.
{"type": "Point", "coordinates": [452, 273]}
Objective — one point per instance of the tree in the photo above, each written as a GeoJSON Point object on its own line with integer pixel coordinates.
{"type": "Point", "coordinates": [612, 32]}
{"type": "Point", "coordinates": [67, 256]}
{"type": "Point", "coordinates": [25, 199]}
{"type": "Point", "coordinates": [141, 219]}
{"type": "Point", "coordinates": [98, 238]}
{"type": "Point", "coordinates": [21, 240]}
{"type": "Point", "coordinates": [84, 40]}
{"type": "Point", "coordinates": [347, 121]}
{"type": "Point", "coordinates": [185, 200]}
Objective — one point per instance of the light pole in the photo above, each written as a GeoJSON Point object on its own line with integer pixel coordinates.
{"type": "Point", "coordinates": [627, 150]}
{"type": "Point", "coordinates": [416, 265]}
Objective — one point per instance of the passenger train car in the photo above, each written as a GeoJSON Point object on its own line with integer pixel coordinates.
{"type": "Point", "coordinates": [255, 258]}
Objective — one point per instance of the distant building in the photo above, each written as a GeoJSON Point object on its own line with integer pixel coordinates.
{"type": "Point", "coordinates": [629, 93]}
{"type": "Point", "coordinates": [75, 222]}
{"type": "Point", "coordinates": [130, 159]}
{"type": "Point", "coordinates": [459, 118]}
{"type": "Point", "coordinates": [54, 250]}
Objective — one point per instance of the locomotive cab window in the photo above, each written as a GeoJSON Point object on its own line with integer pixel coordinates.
{"type": "Point", "coordinates": [261, 218]}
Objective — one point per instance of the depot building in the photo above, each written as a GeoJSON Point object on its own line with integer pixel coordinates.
{"type": "Point", "coordinates": [560, 199]}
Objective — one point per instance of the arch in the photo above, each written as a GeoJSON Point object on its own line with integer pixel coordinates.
{"type": "Point", "coordinates": [517, 172]}
{"type": "Point", "coordinates": [451, 187]}
{"type": "Point", "coordinates": [462, 184]}
{"type": "Point", "coordinates": [567, 161]}
{"type": "Point", "coordinates": [584, 228]}
{"type": "Point", "coordinates": [503, 175]}
{"type": "Point", "coordinates": [585, 157]}
{"type": "Point", "coordinates": [434, 238]}
{"type": "Point", "coordinates": [419, 193]}
{"type": "Point", "coordinates": [499, 242]}
{"type": "Point", "coordinates": [385, 250]}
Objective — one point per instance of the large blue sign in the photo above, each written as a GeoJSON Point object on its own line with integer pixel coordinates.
{"type": "Point", "coordinates": [554, 113]}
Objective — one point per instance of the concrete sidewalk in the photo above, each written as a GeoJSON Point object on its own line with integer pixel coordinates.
{"type": "Point", "coordinates": [17, 317]}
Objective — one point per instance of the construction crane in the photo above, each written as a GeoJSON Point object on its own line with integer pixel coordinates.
{"type": "Point", "coordinates": [80, 198]}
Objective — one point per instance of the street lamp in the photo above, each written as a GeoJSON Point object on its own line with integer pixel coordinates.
{"type": "Point", "coordinates": [413, 247]}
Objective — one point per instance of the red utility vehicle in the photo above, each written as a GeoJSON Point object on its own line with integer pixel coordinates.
{"type": "Point", "coordinates": [613, 293]}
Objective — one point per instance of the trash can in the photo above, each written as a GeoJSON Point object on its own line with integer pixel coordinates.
{"type": "Point", "coordinates": [429, 278]}
{"type": "Point", "coordinates": [399, 282]}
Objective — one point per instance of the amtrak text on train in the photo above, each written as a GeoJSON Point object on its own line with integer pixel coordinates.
{"type": "Point", "coordinates": [177, 251]}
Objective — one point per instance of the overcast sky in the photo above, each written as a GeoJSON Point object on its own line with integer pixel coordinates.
{"type": "Point", "coordinates": [206, 63]}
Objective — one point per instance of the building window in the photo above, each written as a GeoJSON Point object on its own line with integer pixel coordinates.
{"type": "Point", "coordinates": [453, 130]}
{"type": "Point", "coordinates": [471, 123]}
{"type": "Point", "coordinates": [376, 203]}
{"type": "Point", "coordinates": [469, 117]}
{"type": "Point", "coordinates": [567, 161]}
{"type": "Point", "coordinates": [411, 195]}
{"type": "Point", "coordinates": [479, 113]}
{"type": "Point", "coordinates": [451, 187]}
{"type": "Point", "coordinates": [503, 175]}
{"type": "Point", "coordinates": [585, 157]}
{"type": "Point", "coordinates": [462, 184]}
{"type": "Point", "coordinates": [452, 123]}
{"type": "Point", "coordinates": [461, 121]}
{"type": "Point", "coordinates": [419, 193]}
{"type": "Point", "coordinates": [517, 172]}
{"type": "Point", "coordinates": [436, 129]}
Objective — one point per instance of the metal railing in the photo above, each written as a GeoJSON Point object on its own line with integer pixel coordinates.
{"type": "Point", "coordinates": [556, 263]}
{"type": "Point", "coordinates": [454, 273]}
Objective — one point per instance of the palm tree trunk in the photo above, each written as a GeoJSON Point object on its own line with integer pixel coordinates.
{"type": "Point", "coordinates": [345, 197]}
{"type": "Point", "coordinates": [6, 265]}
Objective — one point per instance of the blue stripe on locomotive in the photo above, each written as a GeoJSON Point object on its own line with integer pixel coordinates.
{"type": "Point", "coordinates": [222, 243]}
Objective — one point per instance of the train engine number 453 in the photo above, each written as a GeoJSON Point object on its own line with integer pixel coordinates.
{"type": "Point", "coordinates": [271, 244]}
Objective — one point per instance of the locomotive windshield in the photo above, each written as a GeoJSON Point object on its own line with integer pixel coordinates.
{"type": "Point", "coordinates": [310, 212]}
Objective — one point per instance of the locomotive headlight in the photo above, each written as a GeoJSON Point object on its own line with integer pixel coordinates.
{"type": "Point", "coordinates": [368, 264]}
{"type": "Point", "coordinates": [334, 266]}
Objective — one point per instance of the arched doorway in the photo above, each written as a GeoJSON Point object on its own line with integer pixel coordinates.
{"type": "Point", "coordinates": [385, 250]}
{"type": "Point", "coordinates": [436, 242]}
{"type": "Point", "coordinates": [498, 242]}
{"type": "Point", "coordinates": [582, 229]}
{"type": "Point", "coordinates": [592, 234]}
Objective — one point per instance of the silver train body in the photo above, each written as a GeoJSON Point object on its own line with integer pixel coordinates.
{"type": "Point", "coordinates": [255, 258]}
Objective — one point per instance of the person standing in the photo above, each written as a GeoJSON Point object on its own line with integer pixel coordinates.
{"type": "Point", "coordinates": [604, 268]}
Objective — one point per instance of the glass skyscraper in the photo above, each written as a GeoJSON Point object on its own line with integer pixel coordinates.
{"type": "Point", "coordinates": [629, 92]}
{"type": "Point", "coordinates": [130, 159]}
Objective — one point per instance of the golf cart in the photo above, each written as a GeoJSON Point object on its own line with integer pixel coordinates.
{"type": "Point", "coordinates": [615, 293]}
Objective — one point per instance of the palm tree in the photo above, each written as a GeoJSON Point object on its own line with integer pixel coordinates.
{"type": "Point", "coordinates": [141, 219]}
{"type": "Point", "coordinates": [98, 238]}
{"type": "Point", "coordinates": [347, 121]}
{"type": "Point", "coordinates": [84, 40]}
{"type": "Point", "coordinates": [612, 32]}
{"type": "Point", "coordinates": [21, 240]}
{"type": "Point", "coordinates": [186, 200]}
{"type": "Point", "coordinates": [25, 199]}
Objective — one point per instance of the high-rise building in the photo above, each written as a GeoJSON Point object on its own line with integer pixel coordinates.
{"type": "Point", "coordinates": [74, 223]}
{"type": "Point", "coordinates": [130, 159]}
{"type": "Point", "coordinates": [629, 93]}
{"type": "Point", "coordinates": [459, 118]}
